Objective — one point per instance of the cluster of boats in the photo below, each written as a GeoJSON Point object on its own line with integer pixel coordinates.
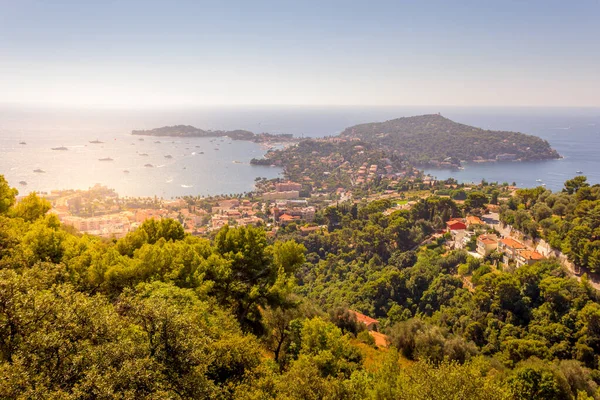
{"type": "Point", "coordinates": [108, 159]}
{"type": "Point", "coordinates": [543, 184]}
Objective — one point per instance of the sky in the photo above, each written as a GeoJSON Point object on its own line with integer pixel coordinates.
{"type": "Point", "coordinates": [327, 52]}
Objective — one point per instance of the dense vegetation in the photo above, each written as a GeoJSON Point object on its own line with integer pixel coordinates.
{"type": "Point", "coordinates": [432, 138]}
{"type": "Point", "coordinates": [163, 315]}
{"type": "Point", "coordinates": [569, 220]}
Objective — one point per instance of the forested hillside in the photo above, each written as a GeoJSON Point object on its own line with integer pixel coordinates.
{"type": "Point", "coordinates": [160, 314]}
{"type": "Point", "coordinates": [428, 139]}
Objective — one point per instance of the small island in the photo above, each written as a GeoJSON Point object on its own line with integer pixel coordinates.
{"type": "Point", "coordinates": [188, 131]}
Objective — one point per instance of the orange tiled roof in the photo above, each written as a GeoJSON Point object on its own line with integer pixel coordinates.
{"type": "Point", "coordinates": [471, 219]}
{"type": "Point", "coordinates": [487, 239]}
{"type": "Point", "coordinates": [512, 243]}
{"type": "Point", "coordinates": [286, 217]}
{"type": "Point", "coordinates": [530, 255]}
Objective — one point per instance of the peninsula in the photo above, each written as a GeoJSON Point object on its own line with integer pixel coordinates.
{"type": "Point", "coordinates": [189, 131]}
{"type": "Point", "coordinates": [386, 154]}
{"type": "Point", "coordinates": [433, 140]}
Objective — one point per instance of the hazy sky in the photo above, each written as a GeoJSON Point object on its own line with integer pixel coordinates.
{"type": "Point", "coordinates": [173, 53]}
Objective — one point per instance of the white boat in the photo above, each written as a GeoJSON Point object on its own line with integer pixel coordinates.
{"type": "Point", "coordinates": [538, 180]}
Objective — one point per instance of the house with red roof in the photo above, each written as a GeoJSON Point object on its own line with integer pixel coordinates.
{"type": "Point", "coordinates": [455, 225]}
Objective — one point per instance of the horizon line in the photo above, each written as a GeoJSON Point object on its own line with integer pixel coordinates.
{"type": "Point", "coordinates": [282, 105]}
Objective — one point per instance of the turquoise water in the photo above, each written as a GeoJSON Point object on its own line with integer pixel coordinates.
{"type": "Point", "coordinates": [575, 133]}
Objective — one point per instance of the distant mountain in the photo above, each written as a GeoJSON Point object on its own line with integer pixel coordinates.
{"type": "Point", "coordinates": [191, 131]}
{"type": "Point", "coordinates": [438, 141]}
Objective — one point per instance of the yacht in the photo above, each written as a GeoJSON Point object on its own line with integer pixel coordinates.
{"type": "Point", "coordinates": [105, 159]}
{"type": "Point", "coordinates": [579, 172]}
{"type": "Point", "coordinates": [125, 171]}
{"type": "Point", "coordinates": [23, 183]}
{"type": "Point", "coordinates": [39, 171]}
{"type": "Point", "coordinates": [149, 166]}
{"type": "Point", "coordinates": [96, 141]}
{"type": "Point", "coordinates": [538, 180]}
{"type": "Point", "coordinates": [143, 154]}
{"type": "Point", "coordinates": [22, 143]}
{"type": "Point", "coordinates": [168, 156]}
{"type": "Point", "coordinates": [61, 148]}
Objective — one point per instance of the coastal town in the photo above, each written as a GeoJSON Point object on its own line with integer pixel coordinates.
{"type": "Point", "coordinates": [280, 205]}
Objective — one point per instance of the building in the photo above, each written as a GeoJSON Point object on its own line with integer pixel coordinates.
{"type": "Point", "coordinates": [506, 157]}
{"type": "Point", "coordinates": [486, 244]}
{"type": "Point", "coordinates": [527, 257]}
{"type": "Point", "coordinates": [287, 218]}
{"type": "Point", "coordinates": [371, 323]}
{"type": "Point", "coordinates": [472, 220]}
{"type": "Point", "coordinates": [455, 225]}
{"type": "Point", "coordinates": [287, 186]}
{"type": "Point", "coordinates": [306, 230]}
{"type": "Point", "coordinates": [509, 248]}
{"type": "Point", "coordinates": [292, 194]}
{"type": "Point", "coordinates": [229, 203]}
{"type": "Point", "coordinates": [305, 213]}
{"type": "Point", "coordinates": [112, 225]}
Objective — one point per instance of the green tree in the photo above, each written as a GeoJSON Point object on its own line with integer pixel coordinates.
{"type": "Point", "coordinates": [7, 195]}
{"type": "Point", "coordinates": [573, 185]}
{"type": "Point", "coordinates": [476, 200]}
{"type": "Point", "coordinates": [31, 207]}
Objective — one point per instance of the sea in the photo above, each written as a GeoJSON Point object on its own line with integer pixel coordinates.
{"type": "Point", "coordinates": [171, 167]}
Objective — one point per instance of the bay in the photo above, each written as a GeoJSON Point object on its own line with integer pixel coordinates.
{"type": "Point", "coordinates": [573, 132]}
{"type": "Point", "coordinates": [194, 166]}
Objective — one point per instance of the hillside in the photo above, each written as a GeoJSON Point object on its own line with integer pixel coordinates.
{"type": "Point", "coordinates": [436, 140]}
{"type": "Point", "coordinates": [161, 314]}
{"type": "Point", "coordinates": [191, 131]}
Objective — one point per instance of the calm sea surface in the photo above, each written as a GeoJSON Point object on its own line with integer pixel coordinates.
{"type": "Point", "coordinates": [574, 133]}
